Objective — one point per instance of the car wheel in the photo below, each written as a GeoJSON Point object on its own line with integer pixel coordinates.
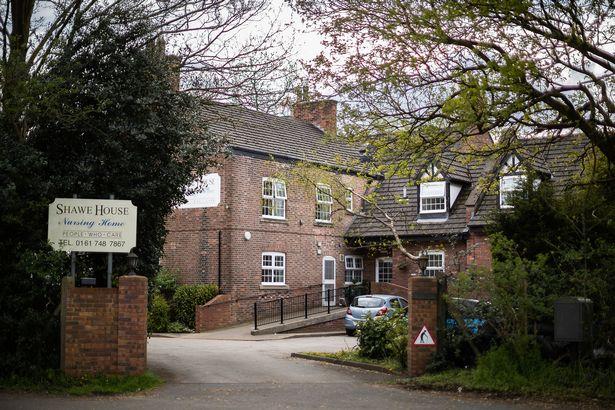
{"type": "Point", "coordinates": [350, 332]}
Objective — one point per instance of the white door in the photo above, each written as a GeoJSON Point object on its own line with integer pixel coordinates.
{"type": "Point", "coordinates": [328, 279]}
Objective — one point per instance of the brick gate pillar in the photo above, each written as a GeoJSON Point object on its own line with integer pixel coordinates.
{"type": "Point", "coordinates": [104, 330]}
{"type": "Point", "coordinates": [132, 325]}
{"type": "Point", "coordinates": [423, 314]}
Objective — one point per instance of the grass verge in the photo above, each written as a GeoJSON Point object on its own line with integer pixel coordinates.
{"type": "Point", "coordinates": [352, 355]}
{"type": "Point", "coordinates": [552, 382]}
{"type": "Point", "coordinates": [56, 382]}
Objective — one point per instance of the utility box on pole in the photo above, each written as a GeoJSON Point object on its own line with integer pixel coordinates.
{"type": "Point", "coordinates": [573, 319]}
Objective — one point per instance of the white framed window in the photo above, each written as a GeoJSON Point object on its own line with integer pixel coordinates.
{"type": "Point", "coordinates": [324, 203]}
{"type": "Point", "coordinates": [384, 270]}
{"type": "Point", "coordinates": [433, 197]}
{"type": "Point", "coordinates": [353, 269]}
{"type": "Point", "coordinates": [508, 185]}
{"type": "Point", "coordinates": [274, 198]}
{"type": "Point", "coordinates": [349, 200]}
{"type": "Point", "coordinates": [435, 263]}
{"type": "Point", "coordinates": [273, 268]}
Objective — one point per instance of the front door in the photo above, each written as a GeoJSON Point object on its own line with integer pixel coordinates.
{"type": "Point", "coordinates": [328, 280]}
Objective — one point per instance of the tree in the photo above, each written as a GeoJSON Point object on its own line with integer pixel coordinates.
{"type": "Point", "coordinates": [106, 120]}
{"type": "Point", "coordinates": [420, 76]}
{"type": "Point", "coordinates": [206, 37]}
{"type": "Point", "coordinates": [546, 247]}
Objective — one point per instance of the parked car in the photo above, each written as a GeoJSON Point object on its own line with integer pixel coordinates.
{"type": "Point", "coordinates": [472, 312]}
{"type": "Point", "coordinates": [372, 305]}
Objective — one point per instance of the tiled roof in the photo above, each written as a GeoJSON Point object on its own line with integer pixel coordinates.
{"type": "Point", "coordinates": [404, 212]}
{"type": "Point", "coordinates": [555, 157]}
{"type": "Point", "coordinates": [279, 136]}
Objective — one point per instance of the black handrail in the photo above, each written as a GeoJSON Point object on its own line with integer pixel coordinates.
{"type": "Point", "coordinates": [291, 307]}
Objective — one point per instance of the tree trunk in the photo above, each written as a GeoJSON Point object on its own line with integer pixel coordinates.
{"type": "Point", "coordinates": [16, 73]}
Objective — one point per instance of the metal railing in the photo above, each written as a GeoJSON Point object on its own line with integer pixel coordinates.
{"type": "Point", "coordinates": [306, 304]}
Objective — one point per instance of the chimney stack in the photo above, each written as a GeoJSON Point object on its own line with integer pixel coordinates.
{"type": "Point", "coordinates": [321, 113]}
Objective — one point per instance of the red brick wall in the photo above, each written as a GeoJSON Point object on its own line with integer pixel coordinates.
{"type": "Point", "coordinates": [215, 314]}
{"type": "Point", "coordinates": [403, 267]}
{"type": "Point", "coordinates": [104, 330]}
{"type": "Point", "coordinates": [389, 289]}
{"type": "Point", "coordinates": [191, 246]}
{"type": "Point", "coordinates": [132, 325]}
{"type": "Point", "coordinates": [336, 325]}
{"type": "Point", "coordinates": [423, 310]}
{"type": "Point", "coordinates": [478, 250]}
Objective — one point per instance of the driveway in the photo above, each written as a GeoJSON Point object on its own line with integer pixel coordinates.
{"type": "Point", "coordinates": [206, 373]}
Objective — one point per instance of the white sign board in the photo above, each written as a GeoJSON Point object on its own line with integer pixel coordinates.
{"type": "Point", "coordinates": [424, 338]}
{"type": "Point", "coordinates": [209, 195]}
{"type": "Point", "coordinates": [92, 225]}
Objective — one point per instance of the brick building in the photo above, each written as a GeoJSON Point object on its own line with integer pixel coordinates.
{"type": "Point", "coordinates": [445, 208]}
{"type": "Point", "coordinates": [265, 235]}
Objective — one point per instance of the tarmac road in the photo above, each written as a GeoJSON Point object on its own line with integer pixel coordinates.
{"type": "Point", "coordinates": [239, 374]}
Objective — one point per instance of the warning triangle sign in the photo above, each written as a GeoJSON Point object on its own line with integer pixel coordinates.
{"type": "Point", "coordinates": [424, 338]}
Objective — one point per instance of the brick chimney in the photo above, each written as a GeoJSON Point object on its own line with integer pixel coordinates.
{"type": "Point", "coordinates": [474, 142]}
{"type": "Point", "coordinates": [321, 113]}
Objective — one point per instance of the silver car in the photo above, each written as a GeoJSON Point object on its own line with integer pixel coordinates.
{"type": "Point", "coordinates": [372, 305]}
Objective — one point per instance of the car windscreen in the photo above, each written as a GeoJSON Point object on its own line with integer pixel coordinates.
{"type": "Point", "coordinates": [362, 302]}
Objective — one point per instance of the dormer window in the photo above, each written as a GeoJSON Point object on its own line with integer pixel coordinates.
{"type": "Point", "coordinates": [511, 182]}
{"type": "Point", "coordinates": [433, 197]}
{"type": "Point", "coordinates": [508, 185]}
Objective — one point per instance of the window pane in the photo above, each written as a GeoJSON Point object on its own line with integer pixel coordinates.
{"type": "Point", "coordinates": [323, 194]}
{"type": "Point", "coordinates": [385, 270]}
{"type": "Point", "coordinates": [279, 207]}
{"type": "Point", "coordinates": [358, 262]}
{"type": "Point", "coordinates": [323, 212]}
{"type": "Point", "coordinates": [329, 269]}
{"type": "Point", "coordinates": [435, 260]}
{"type": "Point", "coordinates": [267, 188]}
{"type": "Point", "coordinates": [267, 207]}
{"type": "Point", "coordinates": [279, 261]}
{"type": "Point", "coordinates": [349, 262]}
{"type": "Point", "coordinates": [433, 189]}
{"type": "Point", "coordinates": [349, 200]}
{"type": "Point", "coordinates": [267, 260]}
{"type": "Point", "coordinates": [267, 275]}
{"type": "Point", "coordinates": [278, 276]}
{"type": "Point", "coordinates": [280, 189]}
{"type": "Point", "coordinates": [433, 204]}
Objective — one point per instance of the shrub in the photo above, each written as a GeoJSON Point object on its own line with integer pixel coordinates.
{"type": "Point", "coordinates": [511, 363]}
{"type": "Point", "coordinates": [187, 297]}
{"type": "Point", "coordinates": [165, 283]}
{"type": "Point", "coordinates": [158, 315]}
{"type": "Point", "coordinates": [176, 327]}
{"type": "Point", "coordinates": [397, 344]}
{"type": "Point", "coordinates": [384, 337]}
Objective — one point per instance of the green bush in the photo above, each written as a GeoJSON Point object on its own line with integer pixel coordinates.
{"type": "Point", "coordinates": [384, 337]}
{"type": "Point", "coordinates": [512, 363]}
{"type": "Point", "coordinates": [165, 283]}
{"type": "Point", "coordinates": [187, 297]}
{"type": "Point", "coordinates": [176, 327]}
{"type": "Point", "coordinates": [397, 344]}
{"type": "Point", "coordinates": [158, 315]}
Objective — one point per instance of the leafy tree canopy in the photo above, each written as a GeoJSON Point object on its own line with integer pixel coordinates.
{"type": "Point", "coordinates": [104, 120]}
{"type": "Point", "coordinates": [419, 76]}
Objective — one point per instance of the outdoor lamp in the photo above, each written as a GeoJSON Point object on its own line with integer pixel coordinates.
{"type": "Point", "coordinates": [422, 262]}
{"type": "Point", "coordinates": [132, 262]}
